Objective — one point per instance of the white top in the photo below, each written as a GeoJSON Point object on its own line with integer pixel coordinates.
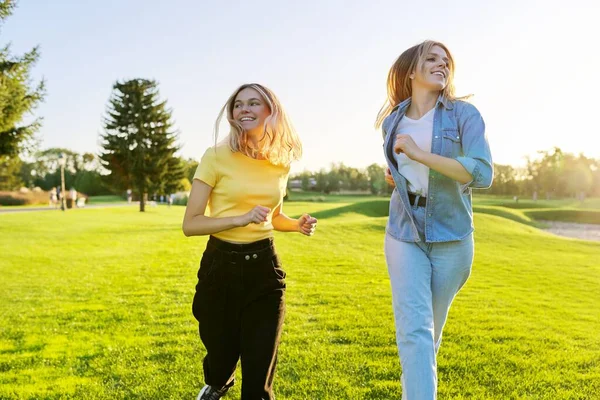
{"type": "Point", "coordinates": [421, 131]}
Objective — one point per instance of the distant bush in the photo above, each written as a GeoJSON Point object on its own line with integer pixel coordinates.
{"type": "Point", "coordinates": [23, 198]}
{"type": "Point", "coordinates": [181, 199]}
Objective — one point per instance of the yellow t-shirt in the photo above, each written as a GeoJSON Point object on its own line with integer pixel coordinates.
{"type": "Point", "coordinates": [239, 184]}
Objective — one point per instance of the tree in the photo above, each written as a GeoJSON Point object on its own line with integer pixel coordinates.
{"type": "Point", "coordinates": [545, 172]}
{"type": "Point", "coordinates": [46, 168]}
{"type": "Point", "coordinates": [376, 174]}
{"type": "Point", "coordinates": [577, 177]}
{"type": "Point", "coordinates": [595, 168]}
{"type": "Point", "coordinates": [138, 141]}
{"type": "Point", "coordinates": [82, 171]}
{"type": "Point", "coordinates": [175, 179]}
{"type": "Point", "coordinates": [90, 183]}
{"type": "Point", "coordinates": [10, 168]}
{"type": "Point", "coordinates": [18, 95]}
{"type": "Point", "coordinates": [504, 180]}
{"type": "Point", "coordinates": [321, 181]}
{"type": "Point", "coordinates": [190, 165]}
{"type": "Point", "coordinates": [307, 181]}
{"type": "Point", "coordinates": [6, 8]}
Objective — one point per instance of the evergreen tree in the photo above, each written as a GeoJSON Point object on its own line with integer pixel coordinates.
{"type": "Point", "coordinates": [18, 97]}
{"type": "Point", "coordinates": [175, 174]}
{"type": "Point", "coordinates": [138, 140]}
{"type": "Point", "coordinates": [10, 168]}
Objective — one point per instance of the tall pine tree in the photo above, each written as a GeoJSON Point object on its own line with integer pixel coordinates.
{"type": "Point", "coordinates": [138, 140]}
{"type": "Point", "coordinates": [18, 97]}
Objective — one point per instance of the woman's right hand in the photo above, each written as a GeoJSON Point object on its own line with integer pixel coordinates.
{"type": "Point", "coordinates": [388, 177]}
{"type": "Point", "coordinates": [257, 215]}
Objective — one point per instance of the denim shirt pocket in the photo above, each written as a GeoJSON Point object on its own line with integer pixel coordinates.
{"type": "Point", "coordinates": [451, 144]}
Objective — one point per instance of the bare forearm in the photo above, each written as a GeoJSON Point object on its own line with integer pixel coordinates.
{"type": "Point", "coordinates": [446, 166]}
{"type": "Point", "coordinates": [203, 225]}
{"type": "Point", "coordinates": [283, 223]}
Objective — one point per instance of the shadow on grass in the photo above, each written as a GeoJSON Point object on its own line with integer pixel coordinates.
{"type": "Point", "coordinates": [508, 214]}
{"type": "Point", "coordinates": [578, 216]}
{"type": "Point", "coordinates": [524, 204]}
{"type": "Point", "coordinates": [380, 208]}
{"type": "Point", "coordinates": [374, 209]}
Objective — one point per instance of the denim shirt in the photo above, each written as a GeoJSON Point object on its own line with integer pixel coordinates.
{"type": "Point", "coordinates": [458, 133]}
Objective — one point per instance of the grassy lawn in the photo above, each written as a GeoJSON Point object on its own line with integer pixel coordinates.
{"type": "Point", "coordinates": [507, 201]}
{"type": "Point", "coordinates": [105, 199]}
{"type": "Point", "coordinates": [96, 304]}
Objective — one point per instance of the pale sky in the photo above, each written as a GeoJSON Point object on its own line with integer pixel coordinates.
{"type": "Point", "coordinates": [532, 65]}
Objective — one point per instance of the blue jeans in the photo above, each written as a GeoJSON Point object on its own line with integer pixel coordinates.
{"type": "Point", "coordinates": [424, 277]}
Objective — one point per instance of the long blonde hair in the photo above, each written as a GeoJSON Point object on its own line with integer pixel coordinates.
{"type": "Point", "coordinates": [399, 83]}
{"type": "Point", "coordinates": [281, 145]}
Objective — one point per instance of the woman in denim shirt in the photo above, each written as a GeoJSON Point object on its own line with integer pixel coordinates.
{"type": "Point", "coordinates": [436, 150]}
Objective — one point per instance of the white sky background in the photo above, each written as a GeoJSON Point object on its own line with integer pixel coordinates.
{"type": "Point", "coordinates": [532, 65]}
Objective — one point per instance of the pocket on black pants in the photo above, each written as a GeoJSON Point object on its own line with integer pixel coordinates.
{"type": "Point", "coordinates": [278, 272]}
{"type": "Point", "coordinates": [206, 289]}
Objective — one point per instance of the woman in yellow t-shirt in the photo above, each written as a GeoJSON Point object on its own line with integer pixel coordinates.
{"type": "Point", "coordinates": [236, 198]}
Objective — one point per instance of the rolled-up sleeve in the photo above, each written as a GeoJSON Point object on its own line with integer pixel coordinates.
{"type": "Point", "coordinates": [476, 158]}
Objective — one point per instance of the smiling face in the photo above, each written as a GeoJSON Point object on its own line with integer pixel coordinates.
{"type": "Point", "coordinates": [433, 72]}
{"type": "Point", "coordinates": [250, 111]}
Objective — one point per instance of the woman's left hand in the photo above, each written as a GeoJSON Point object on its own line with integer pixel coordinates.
{"type": "Point", "coordinates": [307, 225]}
{"type": "Point", "coordinates": [405, 144]}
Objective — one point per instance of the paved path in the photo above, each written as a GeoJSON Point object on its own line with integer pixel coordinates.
{"type": "Point", "coordinates": [574, 230]}
{"type": "Point", "coordinates": [10, 210]}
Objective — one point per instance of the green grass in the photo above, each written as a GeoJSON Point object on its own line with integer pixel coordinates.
{"type": "Point", "coordinates": [315, 197]}
{"type": "Point", "coordinates": [508, 213]}
{"type": "Point", "coordinates": [530, 212]}
{"type": "Point", "coordinates": [96, 304]}
{"type": "Point", "coordinates": [566, 215]}
{"type": "Point", "coordinates": [507, 201]}
{"type": "Point", "coordinates": [105, 199]}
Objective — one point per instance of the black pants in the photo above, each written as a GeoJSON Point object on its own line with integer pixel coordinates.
{"type": "Point", "coordinates": [240, 306]}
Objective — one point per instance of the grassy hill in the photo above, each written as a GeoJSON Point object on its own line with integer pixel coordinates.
{"type": "Point", "coordinates": [96, 304]}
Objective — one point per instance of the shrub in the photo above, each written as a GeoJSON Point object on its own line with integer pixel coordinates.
{"type": "Point", "coordinates": [24, 198]}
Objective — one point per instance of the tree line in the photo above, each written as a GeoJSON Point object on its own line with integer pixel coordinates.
{"type": "Point", "coordinates": [139, 143]}
{"type": "Point", "coordinates": [82, 171]}
{"type": "Point", "coordinates": [342, 178]}
{"type": "Point", "coordinates": [553, 174]}
{"type": "Point", "coordinates": [139, 146]}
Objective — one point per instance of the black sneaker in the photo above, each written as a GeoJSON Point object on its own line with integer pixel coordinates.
{"type": "Point", "coordinates": [210, 393]}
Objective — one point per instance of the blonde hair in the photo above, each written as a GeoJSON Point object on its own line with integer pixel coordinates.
{"type": "Point", "coordinates": [399, 86]}
{"type": "Point", "coordinates": [281, 144]}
